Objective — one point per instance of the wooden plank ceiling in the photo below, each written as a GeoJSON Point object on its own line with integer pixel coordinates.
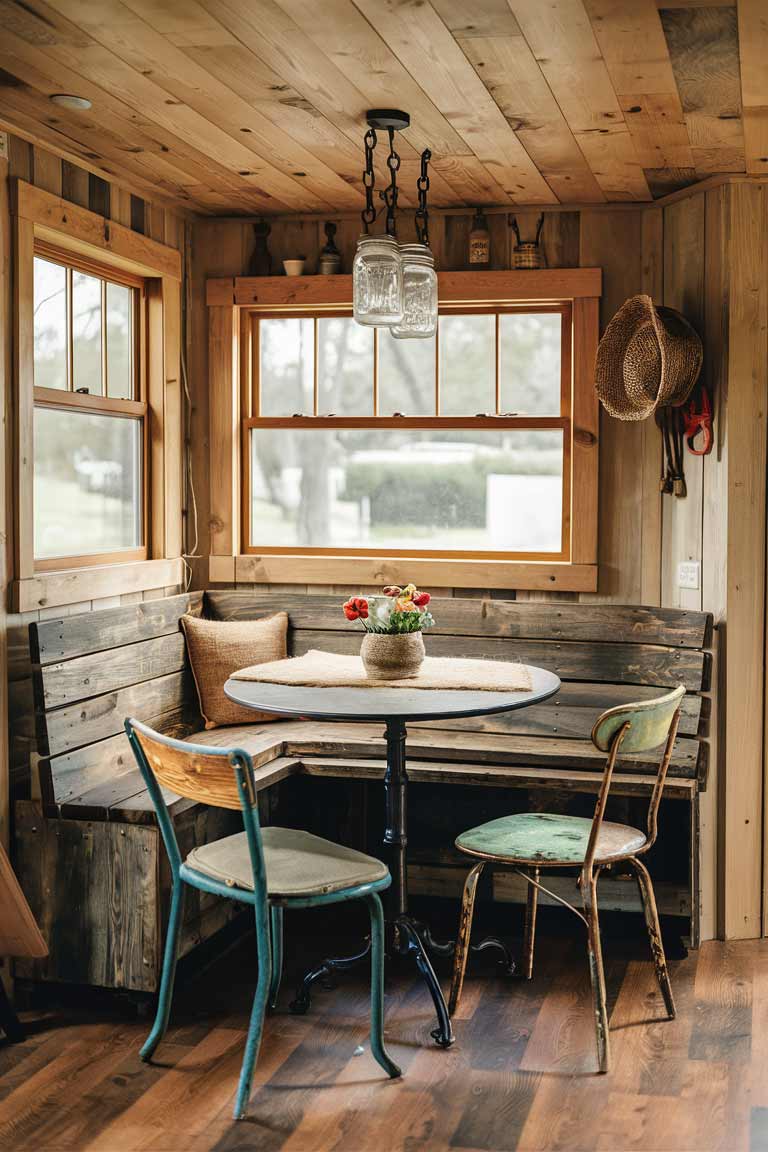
{"type": "Point", "coordinates": [243, 106]}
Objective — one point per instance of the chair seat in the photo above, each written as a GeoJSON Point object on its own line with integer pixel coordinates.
{"type": "Point", "coordinates": [297, 863]}
{"type": "Point", "coordinates": [544, 838]}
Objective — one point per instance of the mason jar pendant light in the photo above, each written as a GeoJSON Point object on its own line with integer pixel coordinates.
{"type": "Point", "coordinates": [419, 277]}
{"type": "Point", "coordinates": [377, 274]}
{"type": "Point", "coordinates": [394, 285]}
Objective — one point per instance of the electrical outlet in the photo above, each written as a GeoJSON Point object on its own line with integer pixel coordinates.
{"type": "Point", "coordinates": [3, 145]}
{"type": "Point", "coordinates": [688, 574]}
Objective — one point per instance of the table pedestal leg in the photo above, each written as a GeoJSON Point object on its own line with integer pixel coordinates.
{"type": "Point", "coordinates": [323, 972]}
{"type": "Point", "coordinates": [409, 939]}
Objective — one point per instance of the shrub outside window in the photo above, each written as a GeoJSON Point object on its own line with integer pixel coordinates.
{"type": "Point", "coordinates": [89, 413]}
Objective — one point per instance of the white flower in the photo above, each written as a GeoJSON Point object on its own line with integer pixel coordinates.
{"type": "Point", "coordinates": [383, 610]}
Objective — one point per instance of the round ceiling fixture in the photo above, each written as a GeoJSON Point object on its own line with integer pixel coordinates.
{"type": "Point", "coordinates": [67, 100]}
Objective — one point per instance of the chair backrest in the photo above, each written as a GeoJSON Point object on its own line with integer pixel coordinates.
{"type": "Point", "coordinates": [222, 777]}
{"type": "Point", "coordinates": [638, 727]}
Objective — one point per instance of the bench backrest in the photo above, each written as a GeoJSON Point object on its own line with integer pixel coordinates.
{"type": "Point", "coordinates": [93, 670]}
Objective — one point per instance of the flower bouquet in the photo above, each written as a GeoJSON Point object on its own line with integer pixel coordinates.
{"type": "Point", "coordinates": [393, 646]}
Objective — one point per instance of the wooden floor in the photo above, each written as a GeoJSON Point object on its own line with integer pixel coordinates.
{"type": "Point", "coordinates": [521, 1075]}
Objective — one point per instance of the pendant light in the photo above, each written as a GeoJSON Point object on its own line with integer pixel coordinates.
{"type": "Point", "coordinates": [377, 273]}
{"type": "Point", "coordinates": [419, 320]}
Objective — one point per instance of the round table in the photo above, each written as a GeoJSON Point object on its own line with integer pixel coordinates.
{"type": "Point", "coordinates": [396, 707]}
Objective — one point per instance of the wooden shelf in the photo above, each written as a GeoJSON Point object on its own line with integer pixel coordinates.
{"type": "Point", "coordinates": [454, 288]}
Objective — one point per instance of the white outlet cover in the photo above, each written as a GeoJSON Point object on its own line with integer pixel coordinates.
{"type": "Point", "coordinates": [688, 574]}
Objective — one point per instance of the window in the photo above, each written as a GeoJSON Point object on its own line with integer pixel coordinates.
{"type": "Point", "coordinates": [89, 421]}
{"type": "Point", "coordinates": [355, 443]}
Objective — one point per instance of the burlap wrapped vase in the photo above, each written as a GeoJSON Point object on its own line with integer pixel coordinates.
{"type": "Point", "coordinates": [392, 657]}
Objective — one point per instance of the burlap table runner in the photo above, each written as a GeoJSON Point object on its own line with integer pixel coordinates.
{"type": "Point", "coordinates": [328, 670]}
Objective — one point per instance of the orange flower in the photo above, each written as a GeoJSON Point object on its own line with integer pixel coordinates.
{"type": "Point", "coordinates": [405, 606]}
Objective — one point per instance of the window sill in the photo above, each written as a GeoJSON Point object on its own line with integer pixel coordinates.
{"type": "Point", "coordinates": [540, 576]}
{"type": "Point", "coordinates": [73, 585]}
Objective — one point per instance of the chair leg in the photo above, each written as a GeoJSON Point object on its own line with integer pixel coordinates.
{"type": "Point", "coordinates": [531, 906]}
{"type": "Point", "coordinates": [168, 975]}
{"type": "Point", "coordinates": [596, 973]}
{"type": "Point", "coordinates": [462, 940]}
{"type": "Point", "coordinates": [377, 987]}
{"type": "Point", "coordinates": [258, 1011]}
{"type": "Point", "coordinates": [276, 936]}
{"type": "Point", "coordinates": [650, 910]}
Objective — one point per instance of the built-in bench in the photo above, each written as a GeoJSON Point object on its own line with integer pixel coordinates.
{"type": "Point", "coordinates": [88, 847]}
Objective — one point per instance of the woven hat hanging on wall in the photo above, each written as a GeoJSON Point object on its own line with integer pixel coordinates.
{"type": "Point", "coordinates": [648, 357]}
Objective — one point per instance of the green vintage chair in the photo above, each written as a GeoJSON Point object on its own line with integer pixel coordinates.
{"type": "Point", "coordinates": [531, 841]}
{"type": "Point", "coordinates": [270, 869]}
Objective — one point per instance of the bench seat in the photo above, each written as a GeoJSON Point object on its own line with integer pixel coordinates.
{"type": "Point", "coordinates": [88, 845]}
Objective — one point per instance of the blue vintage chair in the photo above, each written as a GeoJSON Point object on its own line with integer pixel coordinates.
{"type": "Point", "coordinates": [530, 841]}
{"type": "Point", "coordinates": [270, 869]}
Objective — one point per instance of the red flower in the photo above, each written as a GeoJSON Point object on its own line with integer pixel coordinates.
{"type": "Point", "coordinates": [356, 608]}
{"type": "Point", "coordinates": [392, 590]}
{"type": "Point", "coordinates": [421, 599]}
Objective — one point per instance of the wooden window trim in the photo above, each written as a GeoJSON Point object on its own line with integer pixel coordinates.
{"type": "Point", "coordinates": [46, 225]}
{"type": "Point", "coordinates": [235, 408]}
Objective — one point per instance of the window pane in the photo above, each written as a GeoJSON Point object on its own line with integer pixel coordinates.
{"type": "Point", "coordinates": [50, 327]}
{"type": "Point", "coordinates": [530, 363]}
{"type": "Point", "coordinates": [406, 375]}
{"type": "Point", "coordinates": [119, 341]}
{"type": "Point", "coordinates": [87, 483]}
{"type": "Point", "coordinates": [467, 365]}
{"type": "Point", "coordinates": [345, 368]}
{"type": "Point", "coordinates": [86, 333]}
{"type": "Point", "coordinates": [487, 490]}
{"type": "Point", "coordinates": [287, 352]}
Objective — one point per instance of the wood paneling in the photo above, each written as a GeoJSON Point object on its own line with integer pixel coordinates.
{"type": "Point", "coordinates": [84, 589]}
{"type": "Point", "coordinates": [259, 106]}
{"type": "Point", "coordinates": [746, 534]}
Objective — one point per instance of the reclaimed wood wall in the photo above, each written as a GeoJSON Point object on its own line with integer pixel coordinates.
{"type": "Point", "coordinates": [681, 254]}
{"type": "Point", "coordinates": [45, 170]}
{"type": "Point", "coordinates": [623, 241]}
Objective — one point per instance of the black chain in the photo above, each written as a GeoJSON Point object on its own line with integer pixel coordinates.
{"type": "Point", "coordinates": [389, 194]}
{"type": "Point", "coordinates": [422, 213]}
{"type": "Point", "coordinates": [369, 179]}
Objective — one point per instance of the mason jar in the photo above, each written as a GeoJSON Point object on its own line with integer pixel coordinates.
{"type": "Point", "coordinates": [377, 281]}
{"type": "Point", "coordinates": [419, 293]}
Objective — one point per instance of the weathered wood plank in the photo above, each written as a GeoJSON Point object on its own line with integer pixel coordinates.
{"type": "Point", "coordinates": [572, 713]}
{"type": "Point", "coordinates": [71, 636]}
{"type": "Point", "coordinates": [480, 617]}
{"type": "Point", "coordinates": [171, 698]}
{"type": "Point", "coordinates": [498, 776]}
{"type": "Point", "coordinates": [71, 680]}
{"type": "Point", "coordinates": [92, 888]}
{"type": "Point", "coordinates": [338, 740]}
{"type": "Point", "coordinates": [601, 662]}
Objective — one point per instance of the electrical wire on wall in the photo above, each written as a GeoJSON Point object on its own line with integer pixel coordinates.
{"type": "Point", "coordinates": [191, 525]}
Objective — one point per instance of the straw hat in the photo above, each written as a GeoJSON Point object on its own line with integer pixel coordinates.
{"type": "Point", "coordinates": [648, 356]}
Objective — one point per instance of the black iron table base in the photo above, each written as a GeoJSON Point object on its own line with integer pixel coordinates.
{"type": "Point", "coordinates": [408, 937]}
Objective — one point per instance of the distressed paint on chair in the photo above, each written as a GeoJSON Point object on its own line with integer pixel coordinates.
{"type": "Point", "coordinates": [528, 841]}
{"type": "Point", "coordinates": [225, 778]}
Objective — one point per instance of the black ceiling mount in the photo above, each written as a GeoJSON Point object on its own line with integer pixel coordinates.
{"type": "Point", "coordinates": [384, 118]}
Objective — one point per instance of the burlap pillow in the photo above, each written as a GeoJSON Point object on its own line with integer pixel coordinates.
{"type": "Point", "coordinates": [217, 648]}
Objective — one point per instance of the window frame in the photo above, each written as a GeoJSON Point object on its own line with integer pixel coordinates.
{"type": "Point", "coordinates": [231, 350]}
{"type": "Point", "coordinates": [102, 405]}
{"type": "Point", "coordinates": [103, 246]}
{"type": "Point", "coordinates": [563, 422]}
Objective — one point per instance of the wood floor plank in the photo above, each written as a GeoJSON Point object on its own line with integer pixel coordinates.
{"type": "Point", "coordinates": [521, 1074]}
